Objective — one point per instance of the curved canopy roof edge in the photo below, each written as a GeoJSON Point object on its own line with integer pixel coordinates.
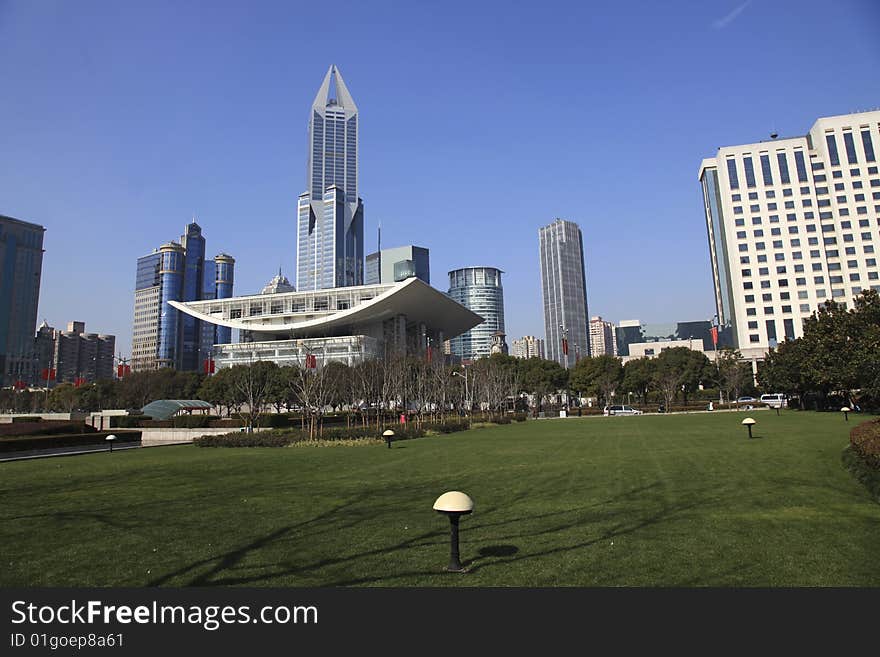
{"type": "Point", "coordinates": [413, 297]}
{"type": "Point", "coordinates": [162, 409]}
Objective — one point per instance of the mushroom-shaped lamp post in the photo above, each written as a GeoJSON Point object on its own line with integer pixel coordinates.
{"type": "Point", "coordinates": [454, 504]}
{"type": "Point", "coordinates": [110, 440]}
{"type": "Point", "coordinates": [845, 410]}
{"type": "Point", "coordinates": [388, 435]}
{"type": "Point", "coordinates": [749, 422]}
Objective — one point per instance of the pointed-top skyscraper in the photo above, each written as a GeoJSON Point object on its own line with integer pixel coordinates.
{"type": "Point", "coordinates": [330, 217]}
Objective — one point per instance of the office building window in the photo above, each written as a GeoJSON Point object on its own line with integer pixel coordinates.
{"type": "Point", "coordinates": [869, 147]}
{"type": "Point", "coordinates": [850, 150]}
{"type": "Point", "coordinates": [731, 174]}
{"type": "Point", "coordinates": [750, 171]}
{"type": "Point", "coordinates": [765, 169]}
{"type": "Point", "coordinates": [832, 149]}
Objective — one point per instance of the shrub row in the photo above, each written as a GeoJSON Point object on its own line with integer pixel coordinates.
{"type": "Point", "coordinates": [242, 439]}
{"type": "Point", "coordinates": [48, 428]}
{"type": "Point", "coordinates": [865, 440]}
{"type": "Point", "coordinates": [22, 443]}
{"type": "Point", "coordinates": [451, 426]}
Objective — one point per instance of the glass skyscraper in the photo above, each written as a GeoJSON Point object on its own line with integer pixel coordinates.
{"type": "Point", "coordinates": [564, 289]}
{"type": "Point", "coordinates": [162, 336]}
{"type": "Point", "coordinates": [397, 264]}
{"type": "Point", "coordinates": [478, 289]}
{"type": "Point", "coordinates": [330, 215]}
{"type": "Point", "coordinates": [21, 265]}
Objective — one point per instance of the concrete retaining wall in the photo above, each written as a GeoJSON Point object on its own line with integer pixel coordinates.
{"type": "Point", "coordinates": [151, 437]}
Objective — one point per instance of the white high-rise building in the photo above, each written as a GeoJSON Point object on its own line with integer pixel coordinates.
{"type": "Point", "coordinates": [564, 292]}
{"type": "Point", "coordinates": [528, 347]}
{"type": "Point", "coordinates": [791, 223]}
{"type": "Point", "coordinates": [603, 339]}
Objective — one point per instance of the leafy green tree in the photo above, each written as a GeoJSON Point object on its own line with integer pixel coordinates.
{"type": "Point", "coordinates": [732, 372]}
{"type": "Point", "coordinates": [839, 353]}
{"type": "Point", "coordinates": [680, 369]}
{"type": "Point", "coordinates": [600, 375]}
{"type": "Point", "coordinates": [540, 377]}
{"type": "Point", "coordinates": [63, 398]}
{"type": "Point", "coordinates": [638, 377]}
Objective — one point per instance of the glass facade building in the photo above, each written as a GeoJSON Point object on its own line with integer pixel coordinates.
{"type": "Point", "coordinates": [162, 336]}
{"type": "Point", "coordinates": [397, 264]}
{"type": "Point", "coordinates": [564, 291]}
{"type": "Point", "coordinates": [330, 215]}
{"type": "Point", "coordinates": [21, 266]}
{"type": "Point", "coordinates": [478, 289]}
{"type": "Point", "coordinates": [792, 223]}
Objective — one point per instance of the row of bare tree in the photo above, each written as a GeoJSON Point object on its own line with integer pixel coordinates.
{"type": "Point", "coordinates": [371, 390]}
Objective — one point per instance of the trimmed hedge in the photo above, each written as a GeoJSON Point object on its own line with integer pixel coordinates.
{"type": "Point", "coordinates": [243, 439]}
{"type": "Point", "coordinates": [46, 428]}
{"type": "Point", "coordinates": [866, 475]}
{"type": "Point", "coordinates": [126, 421]}
{"type": "Point", "coordinates": [865, 441]}
{"type": "Point", "coordinates": [27, 418]}
{"type": "Point", "coordinates": [191, 421]}
{"type": "Point", "coordinates": [500, 419]}
{"type": "Point", "coordinates": [23, 443]}
{"type": "Point", "coordinates": [451, 426]}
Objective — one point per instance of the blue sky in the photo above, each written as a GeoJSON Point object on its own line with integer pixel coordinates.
{"type": "Point", "coordinates": [480, 122]}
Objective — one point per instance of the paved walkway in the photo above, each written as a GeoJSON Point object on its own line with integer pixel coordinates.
{"type": "Point", "coordinates": [82, 449]}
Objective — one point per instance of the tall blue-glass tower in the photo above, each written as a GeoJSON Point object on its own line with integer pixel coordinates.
{"type": "Point", "coordinates": [21, 265]}
{"type": "Point", "coordinates": [178, 271]}
{"type": "Point", "coordinates": [330, 215]}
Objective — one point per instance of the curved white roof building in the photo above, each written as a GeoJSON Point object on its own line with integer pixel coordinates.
{"type": "Point", "coordinates": [347, 323]}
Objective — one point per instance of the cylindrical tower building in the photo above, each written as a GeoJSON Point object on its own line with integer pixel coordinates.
{"type": "Point", "coordinates": [171, 267]}
{"type": "Point", "coordinates": [225, 273]}
{"type": "Point", "coordinates": [478, 289]}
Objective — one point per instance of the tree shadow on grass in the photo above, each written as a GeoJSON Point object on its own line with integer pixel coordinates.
{"type": "Point", "coordinates": [230, 569]}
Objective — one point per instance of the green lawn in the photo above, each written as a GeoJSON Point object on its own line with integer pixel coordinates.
{"type": "Point", "coordinates": [679, 500]}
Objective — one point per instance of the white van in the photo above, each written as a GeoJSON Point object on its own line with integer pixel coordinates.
{"type": "Point", "coordinates": [776, 400]}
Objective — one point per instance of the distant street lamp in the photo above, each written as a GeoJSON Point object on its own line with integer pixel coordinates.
{"type": "Point", "coordinates": [466, 393]}
{"type": "Point", "coordinates": [845, 410]}
{"type": "Point", "coordinates": [454, 504]}
{"type": "Point", "coordinates": [110, 440]}
{"type": "Point", "coordinates": [388, 434]}
{"type": "Point", "coordinates": [749, 422]}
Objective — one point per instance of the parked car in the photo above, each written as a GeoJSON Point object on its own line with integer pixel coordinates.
{"type": "Point", "coordinates": [749, 402]}
{"type": "Point", "coordinates": [775, 400]}
{"type": "Point", "coordinates": [620, 410]}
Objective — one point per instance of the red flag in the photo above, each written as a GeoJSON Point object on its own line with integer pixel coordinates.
{"type": "Point", "coordinates": [48, 374]}
{"type": "Point", "coordinates": [564, 346]}
{"type": "Point", "coordinates": [311, 361]}
{"type": "Point", "coordinates": [21, 385]}
{"type": "Point", "coordinates": [428, 355]}
{"type": "Point", "coordinates": [209, 366]}
{"type": "Point", "coordinates": [715, 335]}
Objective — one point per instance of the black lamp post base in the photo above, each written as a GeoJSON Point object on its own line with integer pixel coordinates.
{"type": "Point", "coordinates": [461, 569]}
